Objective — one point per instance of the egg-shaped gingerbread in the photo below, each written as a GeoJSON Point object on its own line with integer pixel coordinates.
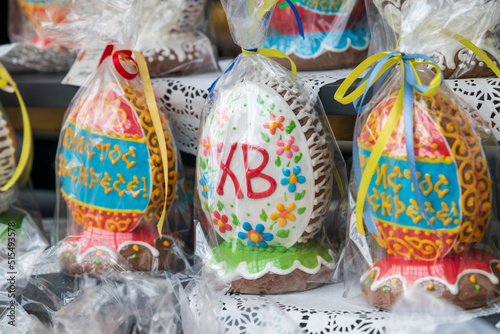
{"type": "Point", "coordinates": [111, 176]}
{"type": "Point", "coordinates": [432, 251]}
{"type": "Point", "coordinates": [265, 178]}
{"type": "Point", "coordinates": [7, 161]}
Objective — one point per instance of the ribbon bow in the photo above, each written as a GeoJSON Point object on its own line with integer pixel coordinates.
{"type": "Point", "coordinates": [8, 85]}
{"type": "Point", "coordinates": [142, 69]}
{"type": "Point", "coordinates": [270, 53]}
{"type": "Point", "coordinates": [385, 62]}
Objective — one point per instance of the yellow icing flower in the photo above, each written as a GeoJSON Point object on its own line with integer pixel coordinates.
{"type": "Point", "coordinates": [283, 214]}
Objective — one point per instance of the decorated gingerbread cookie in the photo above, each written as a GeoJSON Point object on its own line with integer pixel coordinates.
{"type": "Point", "coordinates": [170, 38]}
{"type": "Point", "coordinates": [335, 34]}
{"type": "Point", "coordinates": [476, 21]}
{"type": "Point", "coordinates": [7, 161]}
{"type": "Point", "coordinates": [111, 178]}
{"type": "Point", "coordinates": [430, 247]}
{"type": "Point", "coordinates": [265, 181]}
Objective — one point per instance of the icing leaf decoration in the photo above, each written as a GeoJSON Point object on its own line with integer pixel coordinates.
{"type": "Point", "coordinates": [290, 127]}
{"type": "Point", "coordinates": [298, 157]}
{"type": "Point", "coordinates": [265, 137]}
{"type": "Point", "coordinates": [283, 233]}
{"type": "Point", "coordinates": [263, 216]}
{"type": "Point", "coordinates": [236, 221]}
{"type": "Point", "coordinates": [301, 210]}
{"type": "Point", "coordinates": [278, 162]}
{"type": "Point", "coordinates": [260, 100]}
{"type": "Point", "coordinates": [203, 165]}
{"type": "Point", "coordinates": [299, 196]}
{"type": "Point", "coordinates": [209, 208]}
{"type": "Point", "coordinates": [272, 106]}
{"type": "Point", "coordinates": [220, 206]}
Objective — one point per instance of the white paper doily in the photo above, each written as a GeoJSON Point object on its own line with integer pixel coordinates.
{"type": "Point", "coordinates": [182, 99]}
{"type": "Point", "coordinates": [318, 311]}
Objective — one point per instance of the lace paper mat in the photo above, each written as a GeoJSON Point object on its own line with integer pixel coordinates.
{"type": "Point", "coordinates": [321, 310]}
{"type": "Point", "coordinates": [182, 98]}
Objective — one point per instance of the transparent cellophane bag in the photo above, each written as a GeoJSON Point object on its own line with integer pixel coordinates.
{"type": "Point", "coordinates": [21, 232]}
{"type": "Point", "coordinates": [455, 257]}
{"type": "Point", "coordinates": [125, 302]}
{"type": "Point", "coordinates": [112, 178]}
{"type": "Point", "coordinates": [111, 182]}
{"type": "Point", "coordinates": [34, 50]}
{"type": "Point", "coordinates": [335, 36]}
{"type": "Point", "coordinates": [428, 27]}
{"type": "Point", "coordinates": [270, 176]}
{"type": "Point", "coordinates": [173, 37]}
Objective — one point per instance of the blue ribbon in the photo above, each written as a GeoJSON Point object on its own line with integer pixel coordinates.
{"type": "Point", "coordinates": [410, 85]}
{"type": "Point", "coordinates": [212, 86]}
{"type": "Point", "coordinates": [301, 32]}
{"type": "Point", "coordinates": [296, 13]}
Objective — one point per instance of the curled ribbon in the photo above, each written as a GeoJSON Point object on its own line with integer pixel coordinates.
{"type": "Point", "coordinates": [8, 85]}
{"type": "Point", "coordinates": [248, 52]}
{"type": "Point", "coordinates": [270, 53]}
{"type": "Point", "coordinates": [265, 7]}
{"type": "Point", "coordinates": [142, 70]}
{"type": "Point", "coordinates": [385, 62]}
{"type": "Point", "coordinates": [295, 12]}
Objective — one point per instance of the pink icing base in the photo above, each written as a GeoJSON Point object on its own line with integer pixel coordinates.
{"type": "Point", "coordinates": [449, 268]}
{"type": "Point", "coordinates": [92, 238]}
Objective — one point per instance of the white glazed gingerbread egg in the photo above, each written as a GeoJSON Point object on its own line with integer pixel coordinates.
{"type": "Point", "coordinates": [264, 166]}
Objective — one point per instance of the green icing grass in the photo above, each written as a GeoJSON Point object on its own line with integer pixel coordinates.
{"type": "Point", "coordinates": [233, 253]}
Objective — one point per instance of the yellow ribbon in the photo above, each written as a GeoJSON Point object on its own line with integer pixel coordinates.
{"type": "Point", "coordinates": [396, 110]}
{"type": "Point", "coordinates": [264, 7]}
{"type": "Point", "coordinates": [471, 46]}
{"type": "Point", "coordinates": [392, 119]}
{"type": "Point", "coordinates": [156, 119]}
{"type": "Point", "coordinates": [272, 53]}
{"type": "Point", "coordinates": [8, 85]}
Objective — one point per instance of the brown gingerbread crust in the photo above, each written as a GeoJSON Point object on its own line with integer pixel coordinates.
{"type": "Point", "coordinates": [272, 283]}
{"type": "Point", "coordinates": [469, 71]}
{"type": "Point", "coordinates": [327, 60]}
{"type": "Point", "coordinates": [161, 65]}
{"type": "Point", "coordinates": [144, 260]}
{"type": "Point", "coordinates": [474, 71]}
{"type": "Point", "coordinates": [468, 297]}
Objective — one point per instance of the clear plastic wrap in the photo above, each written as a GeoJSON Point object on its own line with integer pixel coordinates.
{"type": "Point", "coordinates": [117, 166]}
{"type": "Point", "coordinates": [26, 19]}
{"type": "Point", "coordinates": [173, 37]}
{"type": "Point", "coordinates": [268, 171]}
{"type": "Point", "coordinates": [118, 302]}
{"type": "Point", "coordinates": [432, 215]}
{"type": "Point", "coordinates": [21, 233]}
{"type": "Point", "coordinates": [421, 313]}
{"type": "Point", "coordinates": [336, 34]}
{"type": "Point", "coordinates": [420, 26]}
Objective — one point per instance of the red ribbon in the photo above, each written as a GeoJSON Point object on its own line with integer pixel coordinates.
{"type": "Point", "coordinates": [108, 51]}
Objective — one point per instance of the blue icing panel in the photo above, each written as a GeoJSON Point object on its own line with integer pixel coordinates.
{"type": "Point", "coordinates": [126, 186]}
{"type": "Point", "coordinates": [328, 6]}
{"type": "Point", "coordinates": [311, 44]}
{"type": "Point", "coordinates": [441, 198]}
